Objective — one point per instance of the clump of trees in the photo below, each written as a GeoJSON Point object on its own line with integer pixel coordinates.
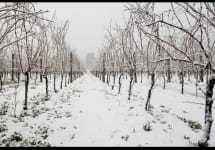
{"type": "Point", "coordinates": [177, 41]}
{"type": "Point", "coordinates": [32, 45]}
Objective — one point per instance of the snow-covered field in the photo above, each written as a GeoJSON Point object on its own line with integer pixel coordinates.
{"type": "Point", "coordinates": [88, 113]}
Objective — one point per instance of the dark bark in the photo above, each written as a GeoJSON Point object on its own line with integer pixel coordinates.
{"type": "Point", "coordinates": [197, 74]}
{"type": "Point", "coordinates": [5, 76]}
{"type": "Point", "coordinates": [107, 78]}
{"type": "Point", "coordinates": [135, 69]}
{"type": "Point", "coordinates": [12, 75]}
{"type": "Point", "coordinates": [120, 83]}
{"type": "Point", "coordinates": [126, 75]}
{"type": "Point", "coordinates": [61, 83]}
{"type": "Point", "coordinates": [130, 84]}
{"type": "Point", "coordinates": [188, 73]}
{"type": "Point", "coordinates": [65, 79]}
{"type": "Point", "coordinates": [55, 83]}
{"type": "Point", "coordinates": [103, 71]}
{"type": "Point", "coordinates": [168, 71]}
{"type": "Point", "coordinates": [196, 87]}
{"type": "Point", "coordinates": [26, 89]}
{"type": "Point", "coordinates": [207, 74]}
{"type": "Point", "coordinates": [201, 74]}
{"type": "Point", "coordinates": [47, 88]}
{"type": "Point", "coordinates": [147, 105]}
{"type": "Point", "coordinates": [18, 76]}
{"type": "Point", "coordinates": [114, 77]}
{"type": "Point", "coordinates": [68, 78]}
{"type": "Point", "coordinates": [1, 83]}
{"type": "Point", "coordinates": [135, 76]}
{"type": "Point", "coordinates": [41, 67]}
{"type": "Point", "coordinates": [71, 79]}
{"type": "Point", "coordinates": [164, 81]}
{"type": "Point", "coordinates": [36, 76]}
{"type": "Point", "coordinates": [182, 82]}
{"type": "Point", "coordinates": [141, 76]}
{"type": "Point", "coordinates": [208, 112]}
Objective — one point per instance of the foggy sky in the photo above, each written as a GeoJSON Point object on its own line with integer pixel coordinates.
{"type": "Point", "coordinates": [89, 21]}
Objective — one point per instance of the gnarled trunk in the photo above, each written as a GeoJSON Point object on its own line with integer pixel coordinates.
{"type": "Point", "coordinates": [208, 112]}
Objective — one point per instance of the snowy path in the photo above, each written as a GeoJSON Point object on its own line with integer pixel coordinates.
{"type": "Point", "coordinates": [97, 121]}
{"type": "Point", "coordinates": [89, 113]}
{"type": "Point", "coordinates": [103, 118]}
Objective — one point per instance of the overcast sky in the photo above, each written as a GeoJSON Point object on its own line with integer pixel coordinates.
{"type": "Point", "coordinates": [88, 21]}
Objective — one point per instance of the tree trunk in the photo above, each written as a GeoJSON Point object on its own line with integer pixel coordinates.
{"type": "Point", "coordinates": [182, 82]}
{"type": "Point", "coordinates": [54, 83]}
{"type": "Point", "coordinates": [188, 73]}
{"type": "Point", "coordinates": [196, 87]}
{"type": "Point", "coordinates": [208, 112]}
{"type": "Point", "coordinates": [103, 73]}
{"type": "Point", "coordinates": [126, 75]}
{"type": "Point", "coordinates": [46, 79]}
{"type": "Point", "coordinates": [107, 78]}
{"type": "Point", "coordinates": [168, 71]}
{"type": "Point", "coordinates": [18, 76]}
{"type": "Point", "coordinates": [135, 76]}
{"type": "Point", "coordinates": [114, 77]}
{"type": "Point", "coordinates": [201, 75]}
{"type": "Point", "coordinates": [41, 67]}
{"type": "Point", "coordinates": [65, 79]}
{"type": "Point", "coordinates": [26, 89]}
{"type": "Point", "coordinates": [36, 77]}
{"type": "Point", "coordinates": [12, 75]}
{"type": "Point", "coordinates": [120, 84]}
{"type": "Point", "coordinates": [141, 76]}
{"type": "Point", "coordinates": [61, 83]}
{"type": "Point", "coordinates": [5, 75]}
{"type": "Point", "coordinates": [71, 67]}
{"type": "Point", "coordinates": [130, 84]}
{"type": "Point", "coordinates": [1, 83]}
{"type": "Point", "coordinates": [207, 71]}
{"type": "Point", "coordinates": [197, 74]}
{"type": "Point", "coordinates": [147, 106]}
{"type": "Point", "coordinates": [164, 81]}
{"type": "Point", "coordinates": [68, 78]}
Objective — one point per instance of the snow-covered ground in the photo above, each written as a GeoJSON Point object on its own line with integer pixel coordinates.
{"type": "Point", "coordinates": [88, 113]}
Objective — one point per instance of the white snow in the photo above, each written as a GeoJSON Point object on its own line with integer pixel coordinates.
{"type": "Point", "coordinates": [88, 113]}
